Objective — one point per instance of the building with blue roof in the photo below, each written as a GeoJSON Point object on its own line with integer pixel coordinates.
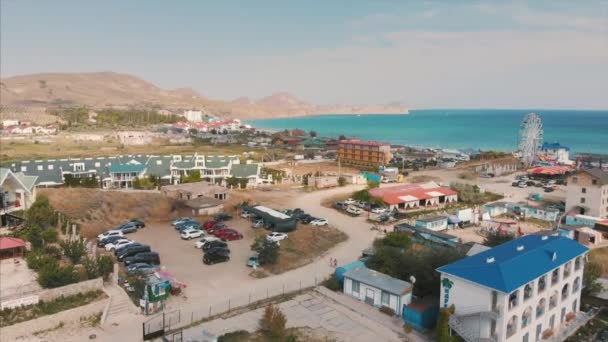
{"type": "Point", "coordinates": [516, 291]}
{"type": "Point", "coordinates": [556, 152]}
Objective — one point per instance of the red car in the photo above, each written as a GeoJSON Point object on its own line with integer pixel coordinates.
{"type": "Point", "coordinates": [216, 227]}
{"type": "Point", "coordinates": [229, 235]}
{"type": "Point", "coordinates": [220, 232]}
{"type": "Point", "coordinates": [217, 231]}
{"type": "Point", "coordinates": [208, 224]}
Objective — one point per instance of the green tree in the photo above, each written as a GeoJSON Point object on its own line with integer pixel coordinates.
{"type": "Point", "coordinates": [195, 176]}
{"type": "Point", "coordinates": [53, 275]}
{"type": "Point", "coordinates": [268, 251]}
{"type": "Point", "coordinates": [34, 236]}
{"type": "Point", "coordinates": [273, 324]}
{"type": "Point", "coordinates": [49, 235]}
{"type": "Point", "coordinates": [74, 249]}
{"type": "Point", "coordinates": [372, 184]}
{"type": "Point", "coordinates": [39, 259]}
{"type": "Point", "coordinates": [397, 239]}
{"type": "Point", "coordinates": [41, 213]}
{"type": "Point", "coordinates": [495, 238]}
{"type": "Point", "coordinates": [341, 181]}
{"type": "Point", "coordinates": [592, 272]}
{"type": "Point", "coordinates": [442, 328]}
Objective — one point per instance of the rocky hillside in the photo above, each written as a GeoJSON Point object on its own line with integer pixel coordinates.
{"type": "Point", "coordinates": [109, 89]}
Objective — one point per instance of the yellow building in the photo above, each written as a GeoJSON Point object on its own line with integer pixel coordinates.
{"type": "Point", "coordinates": [364, 154]}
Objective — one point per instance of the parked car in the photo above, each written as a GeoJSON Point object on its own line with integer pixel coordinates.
{"type": "Point", "coordinates": [306, 218]}
{"type": "Point", "coordinates": [214, 244]}
{"type": "Point", "coordinates": [151, 258]}
{"type": "Point", "coordinates": [246, 214]}
{"type": "Point", "coordinates": [221, 232]}
{"type": "Point", "coordinates": [216, 228]}
{"type": "Point", "coordinates": [222, 217]}
{"type": "Point", "coordinates": [110, 233]}
{"type": "Point", "coordinates": [188, 234]}
{"type": "Point", "coordinates": [522, 185]}
{"type": "Point", "coordinates": [353, 210]}
{"type": "Point", "coordinates": [209, 223]}
{"type": "Point", "coordinates": [257, 224]}
{"type": "Point", "coordinates": [230, 235]}
{"type": "Point", "coordinates": [131, 251]}
{"type": "Point", "coordinates": [109, 239]}
{"type": "Point", "coordinates": [340, 205]}
{"type": "Point", "coordinates": [319, 222]}
{"type": "Point", "coordinates": [219, 255]}
{"type": "Point", "coordinates": [361, 204]}
{"type": "Point", "coordinates": [188, 225]}
{"type": "Point", "coordinates": [549, 189]}
{"type": "Point", "coordinates": [349, 201]}
{"type": "Point", "coordinates": [139, 223]}
{"type": "Point", "coordinates": [253, 261]}
{"type": "Point", "coordinates": [200, 243]}
{"type": "Point", "coordinates": [126, 228]}
{"type": "Point", "coordinates": [379, 210]}
{"type": "Point", "coordinates": [181, 220]}
{"type": "Point", "coordinates": [142, 268]}
{"type": "Point", "coordinates": [276, 237]}
{"type": "Point", "coordinates": [516, 183]}
{"type": "Point", "coordinates": [117, 244]}
{"type": "Point", "coordinates": [122, 248]}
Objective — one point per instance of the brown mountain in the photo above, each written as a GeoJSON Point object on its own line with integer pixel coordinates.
{"type": "Point", "coordinates": [108, 89]}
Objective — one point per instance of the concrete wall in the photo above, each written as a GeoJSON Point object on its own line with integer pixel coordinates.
{"type": "Point", "coordinates": [72, 289]}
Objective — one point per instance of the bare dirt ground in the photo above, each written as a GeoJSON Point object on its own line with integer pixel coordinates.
{"type": "Point", "coordinates": [299, 169]}
{"type": "Point", "coordinates": [98, 210]}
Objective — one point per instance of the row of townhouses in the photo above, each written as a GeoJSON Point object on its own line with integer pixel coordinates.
{"type": "Point", "coordinates": [116, 172]}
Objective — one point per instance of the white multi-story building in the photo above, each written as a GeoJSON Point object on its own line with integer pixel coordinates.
{"type": "Point", "coordinates": [193, 115]}
{"type": "Point", "coordinates": [521, 290]}
{"type": "Point", "coordinates": [557, 153]}
{"type": "Point", "coordinates": [17, 193]}
{"type": "Point", "coordinates": [587, 191]}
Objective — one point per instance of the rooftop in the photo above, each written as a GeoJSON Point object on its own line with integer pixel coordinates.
{"type": "Point", "coordinates": [597, 173]}
{"type": "Point", "coordinates": [379, 280]}
{"type": "Point", "coordinates": [431, 218]}
{"type": "Point", "coordinates": [10, 242]}
{"type": "Point", "coordinates": [515, 263]}
{"type": "Point", "coordinates": [554, 146]}
{"type": "Point", "coordinates": [362, 143]}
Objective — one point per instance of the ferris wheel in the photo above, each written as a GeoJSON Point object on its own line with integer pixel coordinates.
{"type": "Point", "coordinates": [530, 138]}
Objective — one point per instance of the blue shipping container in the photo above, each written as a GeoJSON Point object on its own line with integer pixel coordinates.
{"type": "Point", "coordinates": [420, 316]}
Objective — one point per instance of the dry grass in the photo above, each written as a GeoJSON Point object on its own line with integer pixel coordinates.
{"type": "Point", "coordinates": [600, 256]}
{"type": "Point", "coordinates": [303, 245]}
{"type": "Point", "coordinates": [467, 175]}
{"type": "Point", "coordinates": [423, 179]}
{"type": "Point", "coordinates": [98, 210]}
{"type": "Point", "coordinates": [328, 167]}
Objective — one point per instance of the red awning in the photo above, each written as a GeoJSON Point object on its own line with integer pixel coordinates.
{"type": "Point", "coordinates": [549, 170]}
{"type": "Point", "coordinates": [10, 243]}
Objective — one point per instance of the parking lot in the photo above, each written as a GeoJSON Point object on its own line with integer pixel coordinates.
{"type": "Point", "coordinates": [184, 262]}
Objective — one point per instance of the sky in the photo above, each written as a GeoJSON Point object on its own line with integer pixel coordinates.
{"type": "Point", "coordinates": [423, 54]}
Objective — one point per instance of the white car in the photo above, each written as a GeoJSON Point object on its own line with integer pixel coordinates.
{"type": "Point", "coordinates": [200, 243]}
{"type": "Point", "coordinates": [522, 185]}
{"type": "Point", "coordinates": [319, 222]}
{"type": "Point", "coordinates": [117, 244]}
{"type": "Point", "coordinates": [350, 201]}
{"type": "Point", "coordinates": [110, 233]}
{"type": "Point", "coordinates": [379, 210]}
{"type": "Point", "coordinates": [276, 237]}
{"type": "Point", "coordinates": [353, 210]}
{"type": "Point", "coordinates": [191, 234]}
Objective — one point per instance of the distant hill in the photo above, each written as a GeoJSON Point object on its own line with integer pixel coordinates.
{"type": "Point", "coordinates": [113, 90]}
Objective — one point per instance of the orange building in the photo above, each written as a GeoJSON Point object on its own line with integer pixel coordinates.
{"type": "Point", "coordinates": [365, 154]}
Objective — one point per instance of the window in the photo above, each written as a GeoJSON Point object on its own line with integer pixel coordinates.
{"type": "Point", "coordinates": [594, 181]}
{"type": "Point", "coordinates": [97, 164]}
{"type": "Point", "coordinates": [23, 168]}
{"type": "Point", "coordinates": [355, 286]}
{"type": "Point", "coordinates": [584, 190]}
{"type": "Point", "coordinates": [50, 167]}
{"type": "Point", "coordinates": [385, 298]}
{"type": "Point", "coordinates": [582, 199]}
{"type": "Point", "coordinates": [40, 167]}
{"type": "Point", "coordinates": [574, 179]}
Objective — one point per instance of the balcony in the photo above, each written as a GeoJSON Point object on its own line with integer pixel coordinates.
{"type": "Point", "coordinates": [554, 277]}
{"type": "Point", "coordinates": [542, 284]}
{"type": "Point", "coordinates": [577, 264]}
{"type": "Point", "coordinates": [10, 206]}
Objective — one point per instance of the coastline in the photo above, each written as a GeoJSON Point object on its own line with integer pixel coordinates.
{"type": "Point", "coordinates": [362, 112]}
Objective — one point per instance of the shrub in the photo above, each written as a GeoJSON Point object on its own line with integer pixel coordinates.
{"type": "Point", "coordinates": [332, 283]}
{"type": "Point", "coordinates": [53, 251]}
{"type": "Point", "coordinates": [53, 275]}
{"type": "Point", "coordinates": [98, 267]}
{"type": "Point", "coordinates": [49, 235]}
{"type": "Point", "coordinates": [41, 213]}
{"type": "Point", "coordinates": [341, 181]}
{"type": "Point", "coordinates": [235, 336]}
{"type": "Point", "coordinates": [495, 238]}
{"type": "Point", "coordinates": [272, 323]}
{"type": "Point", "coordinates": [397, 239]}
{"type": "Point", "coordinates": [33, 234]}
{"type": "Point", "coordinates": [39, 259]}
{"type": "Point", "coordinates": [74, 250]}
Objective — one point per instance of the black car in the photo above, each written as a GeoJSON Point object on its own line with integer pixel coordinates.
{"type": "Point", "coordinates": [306, 219]}
{"type": "Point", "coordinates": [215, 250]}
{"type": "Point", "coordinates": [214, 244]}
{"type": "Point", "coordinates": [139, 223]}
{"type": "Point", "coordinates": [220, 255]}
{"type": "Point", "coordinates": [131, 251]}
{"type": "Point", "coordinates": [122, 248]}
{"type": "Point", "coordinates": [108, 240]}
{"type": "Point", "coordinates": [126, 228]}
{"type": "Point", "coordinates": [151, 258]}
{"type": "Point", "coordinates": [222, 217]}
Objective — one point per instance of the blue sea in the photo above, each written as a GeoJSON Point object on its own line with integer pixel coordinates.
{"type": "Point", "coordinates": [485, 129]}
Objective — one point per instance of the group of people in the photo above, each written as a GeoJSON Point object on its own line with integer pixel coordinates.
{"type": "Point", "coordinates": [333, 262]}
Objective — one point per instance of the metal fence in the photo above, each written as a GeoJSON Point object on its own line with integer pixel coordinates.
{"type": "Point", "coordinates": [198, 312]}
